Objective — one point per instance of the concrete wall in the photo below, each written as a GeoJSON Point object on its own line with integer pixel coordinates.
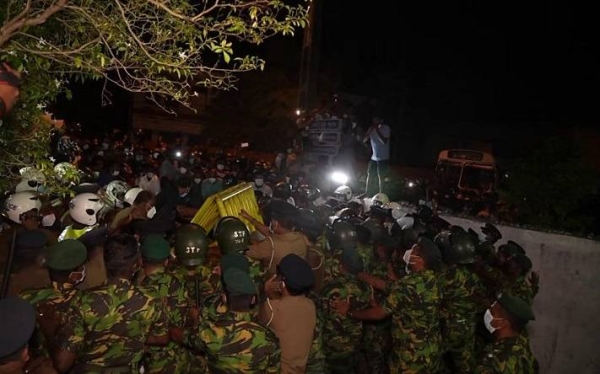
{"type": "Point", "coordinates": [565, 337]}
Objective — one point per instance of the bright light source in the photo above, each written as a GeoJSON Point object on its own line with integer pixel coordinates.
{"type": "Point", "coordinates": [339, 177]}
{"type": "Point", "coordinates": [411, 184]}
{"type": "Point", "coordinates": [178, 154]}
{"type": "Point", "coordinates": [298, 112]}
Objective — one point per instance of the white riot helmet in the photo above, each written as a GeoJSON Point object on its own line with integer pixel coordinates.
{"type": "Point", "coordinates": [396, 209]}
{"type": "Point", "coordinates": [31, 180]}
{"type": "Point", "coordinates": [84, 208]}
{"type": "Point", "coordinates": [21, 202]}
{"type": "Point", "coordinates": [343, 193]}
{"type": "Point", "coordinates": [380, 199]}
{"type": "Point", "coordinates": [131, 195]}
{"type": "Point", "coordinates": [116, 191]}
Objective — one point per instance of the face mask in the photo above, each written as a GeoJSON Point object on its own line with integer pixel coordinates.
{"type": "Point", "coordinates": [212, 180]}
{"type": "Point", "coordinates": [81, 277]}
{"type": "Point", "coordinates": [100, 153]}
{"type": "Point", "coordinates": [287, 180]}
{"type": "Point", "coordinates": [149, 175]}
{"type": "Point", "coordinates": [86, 147]}
{"type": "Point", "coordinates": [139, 157]}
{"type": "Point", "coordinates": [272, 227]}
{"type": "Point", "coordinates": [487, 321]}
{"type": "Point", "coordinates": [116, 173]}
{"type": "Point", "coordinates": [96, 174]}
{"type": "Point", "coordinates": [406, 258]}
{"type": "Point", "coordinates": [151, 212]}
{"type": "Point", "coordinates": [105, 145]}
{"type": "Point", "coordinates": [48, 220]}
{"type": "Point", "coordinates": [197, 180]}
{"type": "Point", "coordinates": [220, 166]}
{"type": "Point", "coordinates": [259, 182]}
{"type": "Point", "coordinates": [182, 170]}
{"type": "Point", "coordinates": [183, 194]}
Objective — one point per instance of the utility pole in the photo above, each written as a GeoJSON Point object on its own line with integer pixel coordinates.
{"type": "Point", "coordinates": [307, 86]}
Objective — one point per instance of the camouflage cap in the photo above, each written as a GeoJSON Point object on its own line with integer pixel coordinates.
{"type": "Point", "coordinates": [234, 261]}
{"type": "Point", "coordinates": [17, 321]}
{"type": "Point", "coordinates": [238, 282]}
{"type": "Point", "coordinates": [516, 307]}
{"type": "Point", "coordinates": [155, 247]}
{"type": "Point", "coordinates": [296, 272]}
{"type": "Point", "coordinates": [68, 254]}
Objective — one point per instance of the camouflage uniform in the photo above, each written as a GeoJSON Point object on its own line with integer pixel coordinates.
{"type": "Point", "coordinates": [459, 315]}
{"type": "Point", "coordinates": [316, 357]}
{"type": "Point", "coordinates": [377, 338]}
{"type": "Point", "coordinates": [341, 334]}
{"type": "Point", "coordinates": [235, 344]}
{"type": "Point", "coordinates": [107, 327]}
{"type": "Point", "coordinates": [511, 355]}
{"type": "Point", "coordinates": [209, 282]}
{"type": "Point", "coordinates": [414, 303]}
{"type": "Point", "coordinates": [58, 298]}
{"type": "Point", "coordinates": [332, 265]}
{"type": "Point", "coordinates": [173, 358]}
{"type": "Point", "coordinates": [519, 288]}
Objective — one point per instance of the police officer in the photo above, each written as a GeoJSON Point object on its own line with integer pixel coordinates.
{"type": "Point", "coordinates": [290, 314]}
{"type": "Point", "coordinates": [414, 303]}
{"type": "Point", "coordinates": [17, 323]}
{"type": "Point", "coordinates": [282, 241]}
{"type": "Point", "coordinates": [164, 286]}
{"type": "Point", "coordinates": [107, 328]}
{"type": "Point", "coordinates": [234, 343]}
{"type": "Point", "coordinates": [509, 351]}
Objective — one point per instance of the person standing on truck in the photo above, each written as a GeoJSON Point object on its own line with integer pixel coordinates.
{"type": "Point", "coordinates": [379, 136]}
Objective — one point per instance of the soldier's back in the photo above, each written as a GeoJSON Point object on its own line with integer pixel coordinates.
{"type": "Point", "coordinates": [512, 355]}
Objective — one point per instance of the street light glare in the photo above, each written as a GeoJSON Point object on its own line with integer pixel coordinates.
{"type": "Point", "coordinates": [339, 177]}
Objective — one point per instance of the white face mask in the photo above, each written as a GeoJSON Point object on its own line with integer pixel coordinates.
{"type": "Point", "coordinates": [406, 258]}
{"type": "Point", "coordinates": [272, 227]}
{"type": "Point", "coordinates": [105, 145]}
{"type": "Point", "coordinates": [182, 170]}
{"type": "Point", "coordinates": [86, 147]}
{"type": "Point", "coordinates": [259, 182]}
{"type": "Point", "coordinates": [487, 321]}
{"type": "Point", "coordinates": [149, 175]}
{"type": "Point", "coordinates": [151, 212]}
{"type": "Point", "coordinates": [83, 275]}
{"type": "Point", "coordinates": [96, 174]}
{"type": "Point", "coordinates": [212, 180]}
{"type": "Point", "coordinates": [116, 173]}
{"type": "Point", "coordinates": [183, 194]}
{"type": "Point", "coordinates": [220, 166]}
{"type": "Point", "coordinates": [100, 153]}
{"type": "Point", "coordinates": [48, 220]}
{"type": "Point", "coordinates": [197, 180]}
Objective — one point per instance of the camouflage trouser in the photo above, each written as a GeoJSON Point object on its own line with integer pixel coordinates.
{"type": "Point", "coordinates": [459, 345]}
{"type": "Point", "coordinates": [342, 359]}
{"type": "Point", "coordinates": [424, 360]}
{"type": "Point", "coordinates": [176, 360]}
{"type": "Point", "coordinates": [377, 341]}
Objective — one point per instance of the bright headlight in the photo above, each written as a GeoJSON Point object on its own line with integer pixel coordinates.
{"type": "Point", "coordinates": [339, 177]}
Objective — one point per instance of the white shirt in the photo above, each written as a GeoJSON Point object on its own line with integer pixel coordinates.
{"type": "Point", "coordinates": [381, 150]}
{"type": "Point", "coordinates": [152, 185]}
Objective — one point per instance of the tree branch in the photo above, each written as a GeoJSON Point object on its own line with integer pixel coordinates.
{"type": "Point", "coordinates": [17, 23]}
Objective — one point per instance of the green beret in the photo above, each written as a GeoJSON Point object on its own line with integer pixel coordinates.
{"type": "Point", "coordinates": [511, 248]}
{"type": "Point", "coordinates": [234, 261]}
{"type": "Point", "coordinates": [516, 307]}
{"type": "Point", "coordinates": [68, 254]}
{"type": "Point", "coordinates": [429, 250]}
{"type": "Point", "coordinates": [352, 261]}
{"type": "Point", "coordinates": [238, 282]}
{"type": "Point", "coordinates": [17, 321]}
{"type": "Point", "coordinates": [155, 247]}
{"type": "Point", "coordinates": [523, 261]}
{"type": "Point", "coordinates": [296, 272]}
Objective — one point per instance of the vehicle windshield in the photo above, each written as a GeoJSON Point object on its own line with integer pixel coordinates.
{"type": "Point", "coordinates": [448, 173]}
{"type": "Point", "coordinates": [477, 178]}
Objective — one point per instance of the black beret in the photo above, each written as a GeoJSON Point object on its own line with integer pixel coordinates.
{"type": "Point", "coordinates": [17, 321]}
{"type": "Point", "coordinates": [296, 272]}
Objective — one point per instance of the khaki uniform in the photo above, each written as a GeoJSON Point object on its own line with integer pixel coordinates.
{"type": "Point", "coordinates": [121, 215]}
{"type": "Point", "coordinates": [293, 320]}
{"type": "Point", "coordinates": [274, 248]}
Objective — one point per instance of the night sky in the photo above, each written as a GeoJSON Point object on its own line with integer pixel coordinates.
{"type": "Point", "coordinates": [459, 61]}
{"type": "Point", "coordinates": [519, 65]}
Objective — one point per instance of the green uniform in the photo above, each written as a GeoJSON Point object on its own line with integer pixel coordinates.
{"type": "Point", "coordinates": [234, 343]}
{"type": "Point", "coordinates": [332, 266]}
{"type": "Point", "coordinates": [173, 358]}
{"type": "Point", "coordinates": [316, 356]}
{"type": "Point", "coordinates": [507, 356]}
{"type": "Point", "coordinates": [58, 297]}
{"type": "Point", "coordinates": [377, 338]}
{"type": "Point", "coordinates": [209, 282]}
{"type": "Point", "coordinates": [414, 303]}
{"type": "Point", "coordinates": [459, 315]}
{"type": "Point", "coordinates": [342, 335]}
{"type": "Point", "coordinates": [519, 288]}
{"type": "Point", "coordinates": [107, 326]}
